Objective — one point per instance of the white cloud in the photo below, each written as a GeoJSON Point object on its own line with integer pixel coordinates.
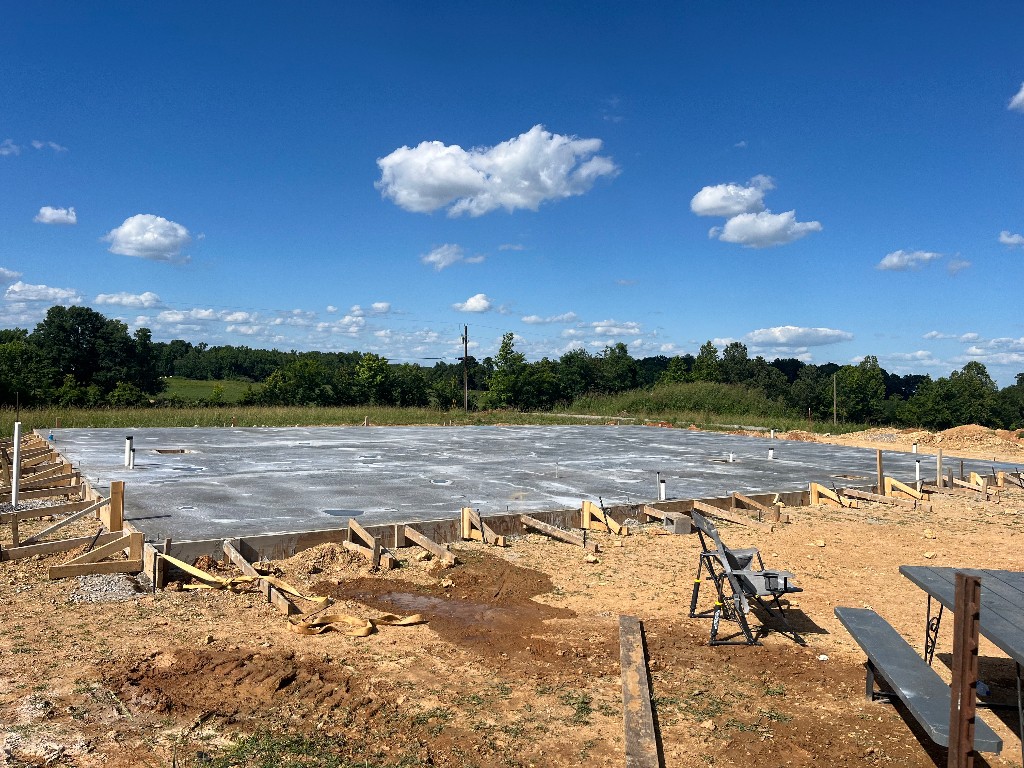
{"type": "Point", "coordinates": [238, 317]}
{"type": "Point", "coordinates": [180, 316]}
{"type": "Point", "coordinates": [1011, 240]}
{"type": "Point", "coordinates": [962, 337]}
{"type": "Point", "coordinates": [20, 291]}
{"type": "Point", "coordinates": [957, 265]}
{"type": "Point", "coordinates": [511, 247]}
{"type": "Point", "coordinates": [900, 261]}
{"type": "Point", "coordinates": [8, 275]}
{"type": "Point", "coordinates": [565, 317]}
{"type": "Point", "coordinates": [49, 215]}
{"type": "Point", "coordinates": [764, 229]}
{"type": "Point", "coordinates": [8, 147]}
{"type": "Point", "coordinates": [381, 307]}
{"type": "Point", "coordinates": [796, 336]}
{"type": "Point", "coordinates": [522, 172]}
{"type": "Point", "coordinates": [477, 303]}
{"type": "Point", "coordinates": [613, 328]}
{"type": "Point", "coordinates": [742, 144]}
{"type": "Point", "coordinates": [149, 237]}
{"type": "Point", "coordinates": [48, 145]}
{"type": "Point", "coordinates": [920, 356]}
{"type": "Point", "coordinates": [144, 300]}
{"type": "Point", "coordinates": [244, 330]}
{"type": "Point", "coordinates": [331, 309]}
{"type": "Point", "coordinates": [727, 200]}
{"type": "Point", "coordinates": [443, 256]}
{"type": "Point", "coordinates": [1017, 102]}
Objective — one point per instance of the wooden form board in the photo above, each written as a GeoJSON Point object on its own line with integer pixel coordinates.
{"type": "Point", "coordinates": [982, 488]}
{"type": "Point", "coordinates": [96, 505]}
{"type": "Point", "coordinates": [54, 547]}
{"type": "Point", "coordinates": [475, 528]}
{"type": "Point", "coordinates": [894, 486]}
{"type": "Point", "coordinates": [731, 517]}
{"type": "Point", "coordinates": [48, 493]}
{"type": "Point", "coordinates": [854, 493]}
{"type": "Point", "coordinates": [94, 561]}
{"type": "Point", "coordinates": [369, 546]}
{"type": "Point", "coordinates": [819, 492]}
{"type": "Point", "coordinates": [437, 550]}
{"type": "Point", "coordinates": [274, 596]}
{"type": "Point", "coordinates": [637, 709]}
{"type": "Point", "coordinates": [557, 533]}
{"type": "Point", "coordinates": [595, 518]}
{"type": "Point", "coordinates": [34, 514]}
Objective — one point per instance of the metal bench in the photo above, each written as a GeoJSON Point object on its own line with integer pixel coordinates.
{"type": "Point", "coordinates": [917, 685]}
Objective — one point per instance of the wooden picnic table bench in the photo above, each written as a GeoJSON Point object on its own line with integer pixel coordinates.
{"type": "Point", "coordinates": [917, 685]}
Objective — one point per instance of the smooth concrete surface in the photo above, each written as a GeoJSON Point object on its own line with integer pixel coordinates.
{"type": "Point", "coordinates": [241, 482]}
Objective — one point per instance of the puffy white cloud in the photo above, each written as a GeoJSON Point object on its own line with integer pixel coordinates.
{"type": "Point", "coordinates": [613, 328]}
{"type": "Point", "coordinates": [331, 309]}
{"type": "Point", "coordinates": [1017, 102]}
{"type": "Point", "coordinates": [181, 316]}
{"type": "Point", "coordinates": [381, 307]}
{"type": "Point", "coordinates": [8, 147]}
{"type": "Point", "coordinates": [238, 317]}
{"type": "Point", "coordinates": [20, 291]}
{"type": "Point", "coordinates": [764, 229]}
{"type": "Point", "coordinates": [8, 275]}
{"type": "Point", "coordinates": [49, 215]}
{"type": "Point", "coordinates": [522, 172]}
{"type": "Point", "coordinates": [920, 356]}
{"type": "Point", "coordinates": [565, 317]}
{"type": "Point", "coordinates": [144, 300]}
{"type": "Point", "coordinates": [727, 200]}
{"type": "Point", "coordinates": [244, 330]}
{"type": "Point", "coordinates": [149, 237]}
{"type": "Point", "coordinates": [796, 336]}
{"type": "Point", "coordinates": [48, 145]}
{"type": "Point", "coordinates": [443, 256]}
{"type": "Point", "coordinates": [1011, 240]}
{"type": "Point", "coordinates": [477, 303]}
{"type": "Point", "coordinates": [900, 261]}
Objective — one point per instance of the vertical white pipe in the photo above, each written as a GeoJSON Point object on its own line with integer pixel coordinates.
{"type": "Point", "coordinates": [128, 440]}
{"type": "Point", "coordinates": [914, 449]}
{"type": "Point", "coordinates": [131, 459]}
{"type": "Point", "coordinates": [773, 434]}
{"type": "Point", "coordinates": [771, 453]}
{"type": "Point", "coordinates": [917, 473]}
{"type": "Point", "coordinates": [16, 468]}
{"type": "Point", "coordinates": [662, 491]}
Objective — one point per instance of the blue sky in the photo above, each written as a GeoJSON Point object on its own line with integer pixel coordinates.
{"type": "Point", "coordinates": [815, 180]}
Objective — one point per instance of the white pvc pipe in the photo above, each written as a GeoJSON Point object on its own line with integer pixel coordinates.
{"type": "Point", "coordinates": [131, 459]}
{"type": "Point", "coordinates": [662, 490]}
{"type": "Point", "coordinates": [128, 450]}
{"type": "Point", "coordinates": [16, 469]}
{"type": "Point", "coordinates": [917, 472]}
{"type": "Point", "coordinates": [914, 449]}
{"type": "Point", "coordinates": [771, 453]}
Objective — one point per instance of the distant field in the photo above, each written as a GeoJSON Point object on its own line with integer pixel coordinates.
{"type": "Point", "coordinates": [196, 389]}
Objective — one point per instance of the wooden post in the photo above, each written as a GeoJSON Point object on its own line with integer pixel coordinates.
{"type": "Point", "coordinates": [115, 517]}
{"type": "Point", "coordinates": [963, 688]}
{"type": "Point", "coordinates": [938, 468]}
{"type": "Point", "coordinates": [949, 478]}
{"type": "Point", "coordinates": [881, 472]}
{"type": "Point", "coordinates": [161, 566]}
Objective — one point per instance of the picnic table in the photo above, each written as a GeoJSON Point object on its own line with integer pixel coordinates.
{"type": "Point", "coordinates": [1002, 612]}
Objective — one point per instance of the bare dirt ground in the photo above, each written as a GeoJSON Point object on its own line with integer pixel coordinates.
{"type": "Point", "coordinates": [518, 663]}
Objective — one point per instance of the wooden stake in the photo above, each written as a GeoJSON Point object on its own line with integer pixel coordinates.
{"type": "Point", "coordinates": [438, 550]}
{"type": "Point", "coordinates": [558, 533]}
{"type": "Point", "coordinates": [115, 518]}
{"type": "Point", "coordinates": [880, 488]}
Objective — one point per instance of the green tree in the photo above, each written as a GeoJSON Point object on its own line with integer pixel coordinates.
{"type": "Point", "coordinates": [707, 366]}
{"type": "Point", "coordinates": [617, 371]}
{"type": "Point", "coordinates": [505, 383]}
{"type": "Point", "coordinates": [25, 376]}
{"type": "Point", "coordinates": [735, 364]}
{"type": "Point", "coordinates": [861, 391]}
{"type": "Point", "coordinates": [375, 380]}
{"type": "Point", "coordinates": [680, 370]}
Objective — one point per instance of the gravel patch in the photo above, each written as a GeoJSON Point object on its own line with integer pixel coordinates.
{"type": "Point", "coordinates": [106, 588]}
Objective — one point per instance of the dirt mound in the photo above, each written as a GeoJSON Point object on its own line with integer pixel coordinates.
{"type": "Point", "coordinates": [486, 605]}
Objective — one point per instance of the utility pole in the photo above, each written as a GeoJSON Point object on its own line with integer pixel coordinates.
{"type": "Point", "coordinates": [834, 422]}
{"type": "Point", "coordinates": [465, 368]}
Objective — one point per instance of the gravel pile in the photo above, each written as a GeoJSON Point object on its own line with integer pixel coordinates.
{"type": "Point", "coordinates": [104, 588]}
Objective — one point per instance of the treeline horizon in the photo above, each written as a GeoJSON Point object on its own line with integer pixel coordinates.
{"type": "Point", "coordinates": [76, 357]}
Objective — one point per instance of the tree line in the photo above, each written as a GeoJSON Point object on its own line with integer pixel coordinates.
{"type": "Point", "coordinates": [77, 357]}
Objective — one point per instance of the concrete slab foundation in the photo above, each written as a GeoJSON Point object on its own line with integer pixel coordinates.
{"type": "Point", "coordinates": [210, 484]}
